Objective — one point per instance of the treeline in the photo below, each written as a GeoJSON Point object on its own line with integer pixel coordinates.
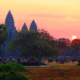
{"type": "Point", "coordinates": [40, 44]}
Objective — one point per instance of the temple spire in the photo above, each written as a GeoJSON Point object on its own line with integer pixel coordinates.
{"type": "Point", "coordinates": [24, 27]}
{"type": "Point", "coordinates": [9, 22]}
{"type": "Point", "coordinates": [9, 18]}
{"type": "Point", "coordinates": [9, 11]}
{"type": "Point", "coordinates": [33, 26]}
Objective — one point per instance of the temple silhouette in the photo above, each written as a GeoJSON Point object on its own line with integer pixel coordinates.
{"type": "Point", "coordinates": [9, 22]}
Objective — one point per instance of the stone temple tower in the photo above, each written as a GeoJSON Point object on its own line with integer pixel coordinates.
{"type": "Point", "coordinates": [33, 26]}
{"type": "Point", "coordinates": [9, 22]}
{"type": "Point", "coordinates": [24, 27]}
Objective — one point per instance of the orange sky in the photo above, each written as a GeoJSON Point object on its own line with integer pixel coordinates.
{"type": "Point", "coordinates": [61, 18]}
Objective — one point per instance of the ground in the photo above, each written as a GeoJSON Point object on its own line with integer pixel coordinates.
{"type": "Point", "coordinates": [67, 71]}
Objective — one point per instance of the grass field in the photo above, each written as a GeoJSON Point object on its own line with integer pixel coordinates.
{"type": "Point", "coordinates": [66, 71]}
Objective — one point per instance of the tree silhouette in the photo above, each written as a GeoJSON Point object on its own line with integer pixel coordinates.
{"type": "Point", "coordinates": [75, 46]}
{"type": "Point", "coordinates": [3, 36]}
{"type": "Point", "coordinates": [33, 44]}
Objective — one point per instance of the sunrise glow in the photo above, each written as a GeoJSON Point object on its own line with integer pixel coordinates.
{"type": "Point", "coordinates": [74, 37]}
{"type": "Point", "coordinates": [61, 18]}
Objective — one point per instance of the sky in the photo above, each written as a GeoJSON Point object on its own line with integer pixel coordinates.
{"type": "Point", "coordinates": [61, 18]}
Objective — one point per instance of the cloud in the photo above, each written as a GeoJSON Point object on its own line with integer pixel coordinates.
{"type": "Point", "coordinates": [46, 15]}
{"type": "Point", "coordinates": [77, 16]}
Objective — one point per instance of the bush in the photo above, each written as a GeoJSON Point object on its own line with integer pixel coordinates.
{"type": "Point", "coordinates": [78, 64]}
{"type": "Point", "coordinates": [13, 76]}
{"type": "Point", "coordinates": [50, 59]}
{"type": "Point", "coordinates": [12, 66]}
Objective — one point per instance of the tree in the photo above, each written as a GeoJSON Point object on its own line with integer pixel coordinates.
{"type": "Point", "coordinates": [3, 35]}
{"type": "Point", "coordinates": [75, 46]}
{"type": "Point", "coordinates": [32, 44]}
{"type": "Point", "coordinates": [62, 45]}
{"type": "Point", "coordinates": [44, 35]}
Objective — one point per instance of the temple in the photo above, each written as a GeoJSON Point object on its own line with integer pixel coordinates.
{"type": "Point", "coordinates": [33, 26]}
{"type": "Point", "coordinates": [24, 27]}
{"type": "Point", "coordinates": [9, 22]}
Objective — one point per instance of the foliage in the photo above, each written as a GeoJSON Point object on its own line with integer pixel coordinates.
{"type": "Point", "coordinates": [50, 59]}
{"type": "Point", "coordinates": [12, 75]}
{"type": "Point", "coordinates": [75, 45]}
{"type": "Point", "coordinates": [78, 64]}
{"type": "Point", "coordinates": [62, 44]}
{"type": "Point", "coordinates": [3, 36]}
{"type": "Point", "coordinates": [12, 66]}
{"type": "Point", "coordinates": [34, 44]}
{"type": "Point", "coordinates": [3, 33]}
{"type": "Point", "coordinates": [44, 35]}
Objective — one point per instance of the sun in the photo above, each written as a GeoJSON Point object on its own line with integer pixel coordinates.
{"type": "Point", "coordinates": [74, 37]}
